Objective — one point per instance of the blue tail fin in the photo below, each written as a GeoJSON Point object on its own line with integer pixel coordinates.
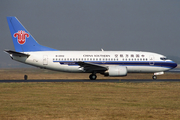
{"type": "Point", "coordinates": [22, 39]}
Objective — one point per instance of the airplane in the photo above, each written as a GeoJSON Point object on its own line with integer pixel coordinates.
{"type": "Point", "coordinates": [107, 63]}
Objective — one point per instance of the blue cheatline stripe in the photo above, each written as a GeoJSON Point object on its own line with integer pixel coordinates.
{"type": "Point", "coordinates": [124, 63]}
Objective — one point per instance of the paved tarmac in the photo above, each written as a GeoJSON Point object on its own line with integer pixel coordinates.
{"type": "Point", "coordinates": [98, 80]}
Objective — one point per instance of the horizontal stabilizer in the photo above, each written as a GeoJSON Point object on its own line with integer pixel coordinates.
{"type": "Point", "coordinates": [14, 53]}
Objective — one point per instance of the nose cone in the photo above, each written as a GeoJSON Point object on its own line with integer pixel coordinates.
{"type": "Point", "coordinates": [173, 65]}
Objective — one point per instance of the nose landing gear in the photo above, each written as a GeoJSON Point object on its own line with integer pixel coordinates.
{"type": "Point", "coordinates": [154, 77]}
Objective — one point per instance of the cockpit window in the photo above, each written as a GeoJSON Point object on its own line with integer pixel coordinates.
{"type": "Point", "coordinates": [164, 58]}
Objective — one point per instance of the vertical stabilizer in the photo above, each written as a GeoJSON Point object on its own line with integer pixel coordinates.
{"type": "Point", "coordinates": [22, 39]}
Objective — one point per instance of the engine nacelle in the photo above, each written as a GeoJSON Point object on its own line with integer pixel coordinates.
{"type": "Point", "coordinates": [116, 71]}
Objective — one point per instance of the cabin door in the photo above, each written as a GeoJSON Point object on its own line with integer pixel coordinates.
{"type": "Point", "coordinates": [151, 60]}
{"type": "Point", "coordinates": [45, 60]}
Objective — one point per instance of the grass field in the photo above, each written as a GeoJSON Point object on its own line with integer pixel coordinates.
{"type": "Point", "coordinates": [87, 101]}
{"type": "Point", "coordinates": [90, 101]}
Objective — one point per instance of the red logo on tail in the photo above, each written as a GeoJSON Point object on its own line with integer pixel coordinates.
{"type": "Point", "coordinates": [21, 36]}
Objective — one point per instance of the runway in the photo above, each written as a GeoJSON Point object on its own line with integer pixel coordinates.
{"type": "Point", "coordinates": [87, 80]}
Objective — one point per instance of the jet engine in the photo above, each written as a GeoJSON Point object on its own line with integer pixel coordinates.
{"type": "Point", "coordinates": [115, 71]}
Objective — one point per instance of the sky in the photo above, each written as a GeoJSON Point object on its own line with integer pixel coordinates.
{"type": "Point", "coordinates": [133, 25]}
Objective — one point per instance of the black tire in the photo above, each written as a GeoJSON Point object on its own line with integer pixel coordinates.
{"type": "Point", "coordinates": [154, 77]}
{"type": "Point", "coordinates": [92, 77]}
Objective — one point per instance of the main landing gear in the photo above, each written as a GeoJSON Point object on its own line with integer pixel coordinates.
{"type": "Point", "coordinates": [154, 77]}
{"type": "Point", "coordinates": [92, 76]}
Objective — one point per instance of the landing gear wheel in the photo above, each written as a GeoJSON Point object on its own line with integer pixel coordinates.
{"type": "Point", "coordinates": [93, 76]}
{"type": "Point", "coordinates": [154, 77]}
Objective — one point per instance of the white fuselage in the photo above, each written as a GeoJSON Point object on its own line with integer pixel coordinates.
{"type": "Point", "coordinates": [66, 60]}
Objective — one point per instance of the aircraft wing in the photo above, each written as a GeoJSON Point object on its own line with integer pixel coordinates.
{"type": "Point", "coordinates": [14, 53]}
{"type": "Point", "coordinates": [90, 67]}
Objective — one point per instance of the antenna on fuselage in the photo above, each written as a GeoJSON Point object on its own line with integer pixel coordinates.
{"type": "Point", "coordinates": [102, 49]}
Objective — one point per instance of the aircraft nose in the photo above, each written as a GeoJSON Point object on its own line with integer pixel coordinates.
{"type": "Point", "coordinates": [174, 64]}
